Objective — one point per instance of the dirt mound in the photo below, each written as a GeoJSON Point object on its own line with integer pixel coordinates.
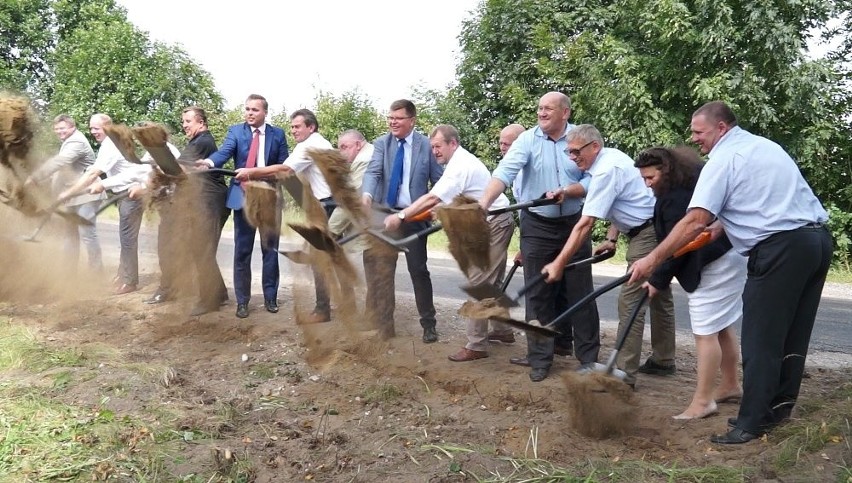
{"type": "Point", "coordinates": [600, 406]}
{"type": "Point", "coordinates": [467, 232]}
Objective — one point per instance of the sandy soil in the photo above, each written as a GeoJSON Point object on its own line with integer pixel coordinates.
{"type": "Point", "coordinates": [331, 402]}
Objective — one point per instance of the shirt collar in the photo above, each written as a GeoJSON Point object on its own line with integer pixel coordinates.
{"type": "Point", "coordinates": [728, 135]}
{"type": "Point", "coordinates": [538, 132]}
{"type": "Point", "coordinates": [262, 129]}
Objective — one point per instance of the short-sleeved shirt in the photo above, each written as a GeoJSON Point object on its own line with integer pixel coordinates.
{"type": "Point", "coordinates": [755, 189]}
{"type": "Point", "coordinates": [545, 167]}
{"type": "Point", "coordinates": [465, 175]}
{"type": "Point", "coordinates": [121, 173]}
{"type": "Point", "coordinates": [304, 166]}
{"type": "Point", "coordinates": [617, 192]}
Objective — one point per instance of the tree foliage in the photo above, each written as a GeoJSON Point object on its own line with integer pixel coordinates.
{"type": "Point", "coordinates": [350, 110]}
{"type": "Point", "coordinates": [637, 69]}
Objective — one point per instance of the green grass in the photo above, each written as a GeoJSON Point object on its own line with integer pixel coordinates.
{"type": "Point", "coordinates": [382, 393]}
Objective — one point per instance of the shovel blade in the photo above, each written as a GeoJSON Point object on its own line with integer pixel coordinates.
{"type": "Point", "coordinates": [317, 237]}
{"type": "Point", "coordinates": [602, 368]}
{"type": "Point", "coordinates": [297, 256]}
{"type": "Point", "coordinates": [486, 290]}
{"type": "Point", "coordinates": [535, 329]}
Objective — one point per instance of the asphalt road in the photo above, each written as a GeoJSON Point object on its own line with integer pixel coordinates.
{"type": "Point", "coordinates": [831, 333]}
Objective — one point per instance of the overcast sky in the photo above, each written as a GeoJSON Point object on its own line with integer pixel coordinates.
{"type": "Point", "coordinates": [287, 51]}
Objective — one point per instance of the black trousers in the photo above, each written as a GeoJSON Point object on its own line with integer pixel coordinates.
{"type": "Point", "coordinates": [541, 241]}
{"type": "Point", "coordinates": [379, 271]}
{"type": "Point", "coordinates": [786, 273]}
{"type": "Point", "coordinates": [211, 195]}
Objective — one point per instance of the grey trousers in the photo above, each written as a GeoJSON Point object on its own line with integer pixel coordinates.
{"type": "Point", "coordinates": [129, 222]}
{"type": "Point", "coordinates": [88, 234]}
{"type": "Point", "coordinates": [662, 315]}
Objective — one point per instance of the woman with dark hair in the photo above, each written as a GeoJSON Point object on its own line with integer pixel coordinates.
{"type": "Point", "coordinates": [713, 277]}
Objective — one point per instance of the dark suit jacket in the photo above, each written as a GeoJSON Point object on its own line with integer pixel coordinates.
{"type": "Point", "coordinates": [668, 210]}
{"type": "Point", "coordinates": [424, 168]}
{"type": "Point", "coordinates": [236, 145]}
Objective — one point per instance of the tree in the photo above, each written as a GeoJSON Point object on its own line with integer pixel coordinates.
{"type": "Point", "coordinates": [349, 110]}
{"type": "Point", "coordinates": [25, 43]}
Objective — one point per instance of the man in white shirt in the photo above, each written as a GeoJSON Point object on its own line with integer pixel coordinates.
{"type": "Point", "coordinates": [303, 127]}
{"type": "Point", "coordinates": [121, 176]}
{"type": "Point", "coordinates": [464, 174]}
{"type": "Point", "coordinates": [74, 157]}
{"type": "Point", "coordinates": [357, 151]}
{"type": "Point", "coordinates": [618, 193]}
{"type": "Point", "coordinates": [769, 212]}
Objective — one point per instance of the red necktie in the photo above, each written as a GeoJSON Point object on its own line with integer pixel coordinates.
{"type": "Point", "coordinates": [251, 161]}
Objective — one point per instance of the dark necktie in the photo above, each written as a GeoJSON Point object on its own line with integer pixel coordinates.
{"type": "Point", "coordinates": [396, 174]}
{"type": "Point", "coordinates": [251, 160]}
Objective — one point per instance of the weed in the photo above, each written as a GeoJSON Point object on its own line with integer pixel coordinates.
{"type": "Point", "coordinates": [382, 393]}
{"type": "Point", "coordinates": [264, 371]}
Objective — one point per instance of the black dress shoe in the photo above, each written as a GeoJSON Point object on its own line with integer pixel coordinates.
{"type": "Point", "coordinates": [242, 311]}
{"type": "Point", "coordinates": [563, 351]}
{"type": "Point", "coordinates": [734, 436]}
{"type": "Point", "coordinates": [519, 361]}
{"type": "Point", "coordinates": [157, 298]}
{"type": "Point", "coordinates": [538, 374]}
{"type": "Point", "coordinates": [430, 335]}
{"type": "Point", "coordinates": [271, 306]}
{"type": "Point", "coordinates": [732, 422]}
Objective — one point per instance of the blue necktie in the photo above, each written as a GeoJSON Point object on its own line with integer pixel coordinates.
{"type": "Point", "coordinates": [396, 174]}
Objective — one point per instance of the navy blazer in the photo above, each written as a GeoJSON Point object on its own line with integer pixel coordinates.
{"type": "Point", "coordinates": [424, 167]}
{"type": "Point", "coordinates": [236, 145]}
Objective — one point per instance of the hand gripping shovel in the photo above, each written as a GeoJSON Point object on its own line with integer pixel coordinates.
{"type": "Point", "coordinates": [484, 291]}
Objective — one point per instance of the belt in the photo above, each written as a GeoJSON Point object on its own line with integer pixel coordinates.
{"type": "Point", "coordinates": [815, 224]}
{"type": "Point", "coordinates": [635, 231]}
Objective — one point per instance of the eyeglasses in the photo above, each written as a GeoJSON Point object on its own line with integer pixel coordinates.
{"type": "Point", "coordinates": [576, 152]}
{"type": "Point", "coordinates": [398, 119]}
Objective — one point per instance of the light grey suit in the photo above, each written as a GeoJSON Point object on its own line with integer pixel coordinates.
{"type": "Point", "coordinates": [379, 265]}
{"type": "Point", "coordinates": [74, 157]}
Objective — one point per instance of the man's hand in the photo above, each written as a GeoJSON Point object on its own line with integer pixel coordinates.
{"type": "Point", "coordinates": [392, 222]}
{"type": "Point", "coordinates": [96, 188]}
{"type": "Point", "coordinates": [136, 192]}
{"type": "Point", "coordinates": [652, 290]}
{"type": "Point", "coordinates": [554, 271]}
{"type": "Point", "coordinates": [642, 269]}
{"type": "Point", "coordinates": [519, 259]}
{"type": "Point", "coordinates": [558, 194]}
{"type": "Point", "coordinates": [203, 164]}
{"type": "Point", "coordinates": [606, 246]}
{"type": "Point", "coordinates": [244, 174]}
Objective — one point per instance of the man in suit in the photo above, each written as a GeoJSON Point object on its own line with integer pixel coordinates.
{"type": "Point", "coordinates": [74, 157]}
{"type": "Point", "coordinates": [400, 171]}
{"type": "Point", "coordinates": [251, 144]}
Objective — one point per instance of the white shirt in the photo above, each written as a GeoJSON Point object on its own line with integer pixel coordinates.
{"type": "Point", "coordinates": [465, 174]}
{"type": "Point", "coordinates": [404, 198]}
{"type": "Point", "coordinates": [121, 174]}
{"type": "Point", "coordinates": [261, 148]}
{"type": "Point", "coordinates": [617, 192]}
{"type": "Point", "coordinates": [755, 189]}
{"type": "Point", "coordinates": [304, 166]}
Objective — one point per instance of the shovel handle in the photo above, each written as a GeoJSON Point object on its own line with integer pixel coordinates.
{"type": "Point", "coordinates": [588, 298]}
{"type": "Point", "coordinates": [509, 276]}
{"type": "Point", "coordinates": [226, 172]}
{"type": "Point", "coordinates": [623, 336]}
{"type": "Point", "coordinates": [702, 239]}
{"type": "Point", "coordinates": [526, 204]}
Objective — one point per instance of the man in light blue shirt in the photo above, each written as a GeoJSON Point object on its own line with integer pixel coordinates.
{"type": "Point", "coordinates": [539, 154]}
{"type": "Point", "coordinates": [770, 213]}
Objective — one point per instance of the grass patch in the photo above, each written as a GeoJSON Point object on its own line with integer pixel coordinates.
{"type": "Point", "coordinates": [382, 393]}
{"type": "Point", "coordinates": [19, 349]}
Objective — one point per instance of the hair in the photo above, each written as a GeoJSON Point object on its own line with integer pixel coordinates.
{"type": "Point", "coordinates": [448, 132]}
{"type": "Point", "coordinates": [680, 166]}
{"type": "Point", "coordinates": [66, 119]}
{"type": "Point", "coordinates": [586, 133]}
{"type": "Point", "coordinates": [258, 97]}
{"type": "Point", "coordinates": [105, 120]}
{"type": "Point", "coordinates": [717, 111]}
{"type": "Point", "coordinates": [409, 107]}
{"type": "Point", "coordinates": [199, 113]}
{"type": "Point", "coordinates": [354, 133]}
{"type": "Point", "coordinates": [309, 117]}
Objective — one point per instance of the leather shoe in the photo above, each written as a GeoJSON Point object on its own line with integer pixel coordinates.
{"type": "Point", "coordinates": [732, 422]}
{"type": "Point", "coordinates": [318, 317]}
{"type": "Point", "coordinates": [734, 436]}
{"type": "Point", "coordinates": [655, 369]}
{"type": "Point", "coordinates": [157, 298]}
{"type": "Point", "coordinates": [504, 338]}
{"type": "Point", "coordinates": [538, 374]}
{"type": "Point", "coordinates": [563, 351]}
{"type": "Point", "coordinates": [466, 354]}
{"type": "Point", "coordinates": [125, 288]}
{"type": "Point", "coordinates": [242, 311]}
{"type": "Point", "coordinates": [430, 335]}
{"type": "Point", "coordinates": [271, 306]}
{"type": "Point", "coordinates": [519, 361]}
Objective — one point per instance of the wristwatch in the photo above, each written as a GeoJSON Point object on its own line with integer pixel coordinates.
{"type": "Point", "coordinates": [400, 215]}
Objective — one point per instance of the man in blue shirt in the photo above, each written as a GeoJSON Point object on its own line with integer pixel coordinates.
{"type": "Point", "coordinates": [539, 155]}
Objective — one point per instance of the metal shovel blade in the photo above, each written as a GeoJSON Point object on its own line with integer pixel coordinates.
{"type": "Point", "coordinates": [294, 186]}
{"type": "Point", "coordinates": [602, 368]}
{"type": "Point", "coordinates": [535, 329]}
{"type": "Point", "coordinates": [316, 236]}
{"type": "Point", "coordinates": [297, 256]}
{"type": "Point", "coordinates": [164, 158]}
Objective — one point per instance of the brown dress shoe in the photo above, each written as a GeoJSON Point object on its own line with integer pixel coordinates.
{"type": "Point", "coordinates": [466, 354]}
{"type": "Point", "coordinates": [125, 288]}
{"type": "Point", "coordinates": [519, 361]}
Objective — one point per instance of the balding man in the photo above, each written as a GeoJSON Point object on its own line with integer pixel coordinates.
{"type": "Point", "coordinates": [121, 175]}
{"type": "Point", "coordinates": [507, 136]}
{"type": "Point", "coordinates": [357, 151]}
{"type": "Point", "coordinates": [539, 154]}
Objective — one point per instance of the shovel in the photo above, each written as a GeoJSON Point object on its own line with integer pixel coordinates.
{"type": "Point", "coordinates": [111, 201]}
{"type": "Point", "coordinates": [489, 291]}
{"type": "Point", "coordinates": [509, 276]}
{"type": "Point", "coordinates": [609, 368]}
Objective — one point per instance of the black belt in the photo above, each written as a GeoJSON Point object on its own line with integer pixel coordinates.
{"type": "Point", "coordinates": [815, 224]}
{"type": "Point", "coordinates": [635, 231]}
